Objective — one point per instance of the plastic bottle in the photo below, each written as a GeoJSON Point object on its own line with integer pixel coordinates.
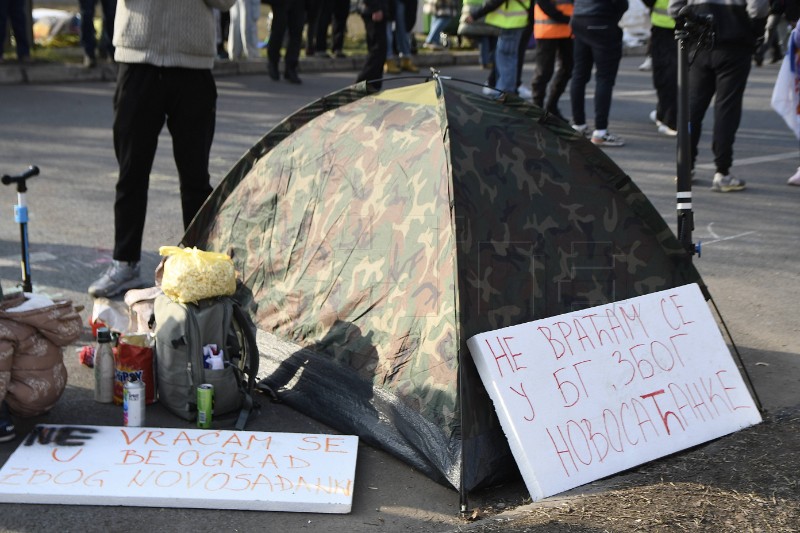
{"type": "Point", "coordinates": [103, 367]}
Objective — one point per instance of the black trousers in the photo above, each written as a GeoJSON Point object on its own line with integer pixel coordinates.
{"type": "Point", "coordinates": [720, 74]}
{"type": "Point", "coordinates": [598, 44]}
{"type": "Point", "coordinates": [287, 16]}
{"type": "Point", "coordinates": [146, 97]}
{"type": "Point", "coordinates": [334, 14]}
{"type": "Point", "coordinates": [664, 52]}
{"type": "Point", "coordinates": [377, 45]}
{"type": "Point", "coordinates": [552, 67]}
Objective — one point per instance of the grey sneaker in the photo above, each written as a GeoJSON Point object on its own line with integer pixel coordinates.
{"type": "Point", "coordinates": [607, 140]}
{"type": "Point", "coordinates": [120, 276]}
{"type": "Point", "coordinates": [726, 183]}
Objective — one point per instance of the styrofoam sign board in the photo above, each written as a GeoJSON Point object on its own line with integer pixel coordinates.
{"type": "Point", "coordinates": [594, 392]}
{"type": "Point", "coordinates": [196, 468]}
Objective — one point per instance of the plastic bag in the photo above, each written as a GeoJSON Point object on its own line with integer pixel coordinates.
{"type": "Point", "coordinates": [191, 274]}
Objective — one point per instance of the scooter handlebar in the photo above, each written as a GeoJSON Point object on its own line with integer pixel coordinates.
{"type": "Point", "coordinates": [29, 173]}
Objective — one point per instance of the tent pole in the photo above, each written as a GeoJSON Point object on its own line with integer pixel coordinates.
{"type": "Point", "coordinates": [462, 491]}
{"type": "Point", "coordinates": [739, 360]}
{"type": "Point", "coordinates": [687, 27]}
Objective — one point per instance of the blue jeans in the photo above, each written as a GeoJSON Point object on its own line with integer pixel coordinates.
{"type": "Point", "coordinates": [438, 25]}
{"type": "Point", "coordinates": [88, 34]}
{"type": "Point", "coordinates": [486, 46]}
{"type": "Point", "coordinates": [14, 10]}
{"type": "Point", "coordinates": [398, 29]}
{"type": "Point", "coordinates": [505, 59]}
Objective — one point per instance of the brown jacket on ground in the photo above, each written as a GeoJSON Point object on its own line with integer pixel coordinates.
{"type": "Point", "coordinates": [32, 371]}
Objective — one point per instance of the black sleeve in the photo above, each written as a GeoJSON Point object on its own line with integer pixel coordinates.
{"type": "Point", "coordinates": [551, 11]}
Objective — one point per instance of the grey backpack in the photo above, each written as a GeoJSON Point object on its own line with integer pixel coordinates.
{"type": "Point", "coordinates": [181, 331]}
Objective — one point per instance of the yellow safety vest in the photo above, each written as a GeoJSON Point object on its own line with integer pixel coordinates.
{"type": "Point", "coordinates": [512, 14]}
{"type": "Point", "coordinates": [660, 16]}
{"type": "Point", "coordinates": [546, 28]}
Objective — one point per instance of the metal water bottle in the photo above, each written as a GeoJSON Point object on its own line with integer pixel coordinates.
{"type": "Point", "coordinates": [103, 367]}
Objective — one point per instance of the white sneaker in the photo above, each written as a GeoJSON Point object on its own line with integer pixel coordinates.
{"type": "Point", "coordinates": [607, 139]}
{"type": "Point", "coordinates": [654, 119]}
{"type": "Point", "coordinates": [795, 180]}
{"type": "Point", "coordinates": [663, 129]}
{"type": "Point", "coordinates": [489, 91]}
{"type": "Point", "coordinates": [647, 64]}
{"type": "Point", "coordinates": [119, 276]}
{"type": "Point", "coordinates": [583, 129]}
{"type": "Point", "coordinates": [726, 183]}
{"type": "Point", "coordinates": [525, 93]}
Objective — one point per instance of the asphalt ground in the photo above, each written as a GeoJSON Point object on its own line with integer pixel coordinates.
{"type": "Point", "coordinates": [750, 262]}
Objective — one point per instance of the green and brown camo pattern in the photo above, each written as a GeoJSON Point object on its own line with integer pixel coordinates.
{"type": "Point", "coordinates": [388, 228]}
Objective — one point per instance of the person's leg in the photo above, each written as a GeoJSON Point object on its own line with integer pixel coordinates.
{"type": "Point", "coordinates": [295, 22]}
{"type": "Point", "coordinates": [506, 59]}
{"type": "Point", "coordinates": [607, 45]}
{"type": "Point", "coordinates": [339, 25]}
{"type": "Point", "coordinates": [4, 7]}
{"type": "Point", "coordinates": [191, 122]}
{"type": "Point", "coordinates": [524, 40]}
{"type": "Point", "coordinates": [543, 64]}
{"type": "Point", "coordinates": [109, 15]}
{"type": "Point", "coordinates": [323, 24]}
{"type": "Point", "coordinates": [732, 69]}
{"type": "Point", "coordinates": [581, 73]}
{"type": "Point", "coordinates": [563, 72]}
{"type": "Point", "coordinates": [665, 75]}
{"type": "Point", "coordinates": [702, 86]}
{"type": "Point", "coordinates": [372, 71]}
{"type": "Point", "coordinates": [138, 118]}
{"type": "Point", "coordinates": [88, 36]}
{"type": "Point", "coordinates": [235, 45]}
{"type": "Point", "coordinates": [16, 15]}
{"type": "Point", "coordinates": [280, 14]}
{"type": "Point", "coordinates": [250, 35]}
{"type": "Point", "coordinates": [312, 10]}
{"type": "Point", "coordinates": [438, 25]}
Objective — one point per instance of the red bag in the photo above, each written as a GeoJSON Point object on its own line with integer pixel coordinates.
{"type": "Point", "coordinates": [134, 359]}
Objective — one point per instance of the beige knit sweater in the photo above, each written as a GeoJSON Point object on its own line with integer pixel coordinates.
{"type": "Point", "coordinates": [167, 33]}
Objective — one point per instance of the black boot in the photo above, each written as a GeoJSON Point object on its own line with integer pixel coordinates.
{"type": "Point", "coordinates": [272, 71]}
{"type": "Point", "coordinates": [290, 75]}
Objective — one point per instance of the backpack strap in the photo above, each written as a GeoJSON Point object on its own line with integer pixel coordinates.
{"type": "Point", "coordinates": [247, 378]}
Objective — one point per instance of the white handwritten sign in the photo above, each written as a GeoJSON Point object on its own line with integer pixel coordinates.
{"type": "Point", "coordinates": [587, 394]}
{"type": "Point", "coordinates": [155, 467]}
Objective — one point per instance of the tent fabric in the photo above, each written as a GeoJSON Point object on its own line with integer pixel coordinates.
{"type": "Point", "coordinates": [376, 232]}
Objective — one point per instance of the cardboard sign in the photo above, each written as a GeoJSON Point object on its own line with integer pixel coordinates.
{"type": "Point", "coordinates": [585, 395]}
{"type": "Point", "coordinates": [157, 467]}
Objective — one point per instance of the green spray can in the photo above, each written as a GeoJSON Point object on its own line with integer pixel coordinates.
{"type": "Point", "coordinates": [205, 405]}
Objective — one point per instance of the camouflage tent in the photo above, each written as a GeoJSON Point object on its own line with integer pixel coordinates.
{"type": "Point", "coordinates": [375, 233]}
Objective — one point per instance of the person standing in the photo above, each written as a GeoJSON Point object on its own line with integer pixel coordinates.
{"type": "Point", "coordinates": [89, 35]}
{"type": "Point", "coordinates": [373, 13]}
{"type": "Point", "coordinates": [287, 16]}
{"type": "Point", "coordinates": [334, 15]}
{"type": "Point", "coordinates": [664, 55]}
{"type": "Point", "coordinates": [720, 73]}
{"type": "Point", "coordinates": [243, 29]}
{"type": "Point", "coordinates": [552, 63]}
{"type": "Point", "coordinates": [442, 13]}
{"type": "Point", "coordinates": [511, 16]}
{"type": "Point", "coordinates": [397, 36]}
{"type": "Point", "coordinates": [598, 45]}
{"type": "Point", "coordinates": [14, 11]}
{"type": "Point", "coordinates": [165, 52]}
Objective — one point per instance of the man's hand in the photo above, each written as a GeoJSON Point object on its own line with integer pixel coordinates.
{"type": "Point", "coordinates": [377, 16]}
